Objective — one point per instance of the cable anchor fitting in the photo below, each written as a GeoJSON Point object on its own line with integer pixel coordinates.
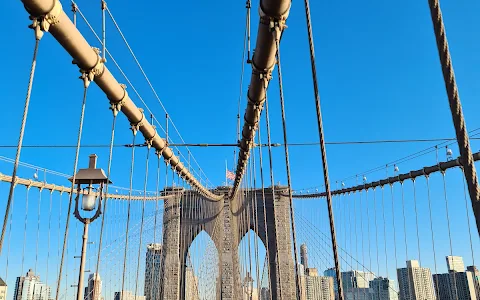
{"type": "Point", "coordinates": [42, 23]}
{"type": "Point", "coordinates": [136, 126]}
{"type": "Point", "coordinates": [149, 142]}
{"type": "Point", "coordinates": [277, 27]}
{"type": "Point", "coordinates": [116, 106]}
{"type": "Point", "coordinates": [97, 70]}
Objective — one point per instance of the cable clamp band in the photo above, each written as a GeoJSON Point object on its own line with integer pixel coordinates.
{"type": "Point", "coordinates": [52, 189]}
{"type": "Point", "coordinates": [44, 22]}
{"type": "Point", "coordinates": [159, 152]}
{"type": "Point", "coordinates": [136, 126]}
{"type": "Point", "coordinates": [97, 70]}
{"type": "Point", "coordinates": [149, 142]}
{"type": "Point", "coordinates": [116, 106]}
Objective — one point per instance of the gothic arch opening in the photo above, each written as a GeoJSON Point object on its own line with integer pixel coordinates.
{"type": "Point", "coordinates": [201, 280]}
{"type": "Point", "coordinates": [253, 266]}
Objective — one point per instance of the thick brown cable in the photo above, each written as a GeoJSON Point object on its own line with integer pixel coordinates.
{"type": "Point", "coordinates": [323, 151]}
{"type": "Point", "coordinates": [456, 108]}
{"type": "Point", "coordinates": [287, 162]}
{"type": "Point", "coordinates": [38, 35]}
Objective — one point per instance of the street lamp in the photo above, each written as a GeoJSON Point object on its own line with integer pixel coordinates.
{"type": "Point", "coordinates": [91, 195]}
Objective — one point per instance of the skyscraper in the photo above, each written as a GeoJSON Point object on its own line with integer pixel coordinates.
{"type": "Point", "coordinates": [356, 284]}
{"type": "Point", "coordinates": [93, 291]}
{"type": "Point", "coordinates": [191, 285]}
{"type": "Point", "coordinates": [383, 289]}
{"type": "Point", "coordinates": [442, 286]}
{"type": "Point", "coordinates": [30, 287]}
{"type": "Point", "coordinates": [457, 284]}
{"type": "Point", "coordinates": [318, 287]}
{"type": "Point", "coordinates": [3, 290]}
{"type": "Point", "coordinates": [127, 295]}
{"type": "Point", "coordinates": [415, 282]}
{"type": "Point", "coordinates": [152, 271]}
{"type": "Point", "coordinates": [476, 279]}
{"type": "Point", "coordinates": [455, 264]}
{"type": "Point", "coordinates": [304, 256]}
{"type": "Point", "coordinates": [331, 273]}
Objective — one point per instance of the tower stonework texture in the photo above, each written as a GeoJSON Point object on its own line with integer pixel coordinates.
{"type": "Point", "coordinates": [227, 221]}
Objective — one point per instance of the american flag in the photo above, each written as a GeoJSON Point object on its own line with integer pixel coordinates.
{"type": "Point", "coordinates": [230, 175]}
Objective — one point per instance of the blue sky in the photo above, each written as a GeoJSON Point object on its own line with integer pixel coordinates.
{"type": "Point", "coordinates": [379, 78]}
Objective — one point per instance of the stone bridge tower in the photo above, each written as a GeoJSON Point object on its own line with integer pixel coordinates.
{"type": "Point", "coordinates": [222, 221]}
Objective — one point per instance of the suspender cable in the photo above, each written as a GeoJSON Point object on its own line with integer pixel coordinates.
{"type": "Point", "coordinates": [86, 83]}
{"type": "Point", "coordinates": [272, 182]}
{"type": "Point", "coordinates": [143, 215]}
{"type": "Point", "coordinates": [416, 220]}
{"type": "Point", "coordinates": [449, 232]}
{"type": "Point", "coordinates": [267, 256]}
{"type": "Point", "coordinates": [456, 108]}
{"type": "Point", "coordinates": [132, 166]}
{"type": "Point", "coordinates": [431, 230]}
{"type": "Point", "coordinates": [323, 152]}
{"type": "Point", "coordinates": [277, 33]}
{"type": "Point", "coordinates": [110, 155]}
{"type": "Point", "coordinates": [36, 26]}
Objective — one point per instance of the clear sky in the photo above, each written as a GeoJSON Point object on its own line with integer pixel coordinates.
{"type": "Point", "coordinates": [379, 79]}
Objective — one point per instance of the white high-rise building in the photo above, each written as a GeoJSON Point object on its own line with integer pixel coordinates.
{"type": "Point", "coordinates": [455, 263]}
{"type": "Point", "coordinates": [3, 290]}
{"type": "Point", "coordinates": [127, 295]}
{"type": "Point", "coordinates": [383, 289]}
{"type": "Point", "coordinates": [476, 279]}
{"type": "Point", "coordinates": [415, 282]}
{"type": "Point", "coordinates": [457, 284]}
{"type": "Point", "coordinates": [318, 287]}
{"type": "Point", "coordinates": [356, 285]}
{"type": "Point", "coordinates": [30, 287]}
{"type": "Point", "coordinates": [152, 271]}
{"type": "Point", "coordinates": [93, 291]}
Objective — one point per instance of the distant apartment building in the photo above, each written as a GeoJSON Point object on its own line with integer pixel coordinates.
{"type": "Point", "coordinates": [415, 282]}
{"type": "Point", "coordinates": [383, 289]}
{"type": "Point", "coordinates": [3, 290]}
{"type": "Point", "coordinates": [457, 284]}
{"type": "Point", "coordinates": [30, 287]}
{"type": "Point", "coordinates": [476, 279]}
{"type": "Point", "coordinates": [152, 271]}
{"type": "Point", "coordinates": [318, 287]}
{"type": "Point", "coordinates": [127, 295]}
{"type": "Point", "coordinates": [93, 291]}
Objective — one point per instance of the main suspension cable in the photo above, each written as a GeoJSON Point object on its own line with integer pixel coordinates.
{"type": "Point", "coordinates": [38, 35]}
{"type": "Point", "coordinates": [456, 108]}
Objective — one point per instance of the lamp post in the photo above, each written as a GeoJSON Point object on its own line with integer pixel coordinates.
{"type": "Point", "coordinates": [90, 196]}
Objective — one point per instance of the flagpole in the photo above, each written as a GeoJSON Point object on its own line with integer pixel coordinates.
{"type": "Point", "coordinates": [226, 169]}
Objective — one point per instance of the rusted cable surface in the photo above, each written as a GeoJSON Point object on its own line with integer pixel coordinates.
{"type": "Point", "coordinates": [461, 132]}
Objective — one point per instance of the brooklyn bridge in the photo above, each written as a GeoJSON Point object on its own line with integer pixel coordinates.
{"type": "Point", "coordinates": [150, 157]}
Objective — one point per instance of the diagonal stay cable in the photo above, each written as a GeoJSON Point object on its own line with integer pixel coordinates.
{"type": "Point", "coordinates": [124, 75]}
{"type": "Point", "coordinates": [149, 83]}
